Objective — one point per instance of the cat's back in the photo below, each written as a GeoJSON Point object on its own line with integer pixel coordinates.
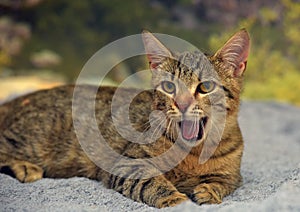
{"type": "Point", "coordinates": [49, 101]}
{"type": "Point", "coordinates": [44, 114]}
{"type": "Point", "coordinates": [37, 106]}
{"type": "Point", "coordinates": [39, 127]}
{"type": "Point", "coordinates": [50, 113]}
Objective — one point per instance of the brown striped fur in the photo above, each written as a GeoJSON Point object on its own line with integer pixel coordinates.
{"type": "Point", "coordinates": [37, 137]}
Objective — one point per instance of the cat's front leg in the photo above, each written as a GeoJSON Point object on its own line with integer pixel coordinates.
{"type": "Point", "coordinates": [209, 193]}
{"type": "Point", "coordinates": [157, 191]}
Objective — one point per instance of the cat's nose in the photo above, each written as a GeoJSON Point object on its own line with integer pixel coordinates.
{"type": "Point", "coordinates": [182, 103]}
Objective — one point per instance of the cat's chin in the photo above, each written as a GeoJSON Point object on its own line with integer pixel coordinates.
{"type": "Point", "coordinates": [193, 132]}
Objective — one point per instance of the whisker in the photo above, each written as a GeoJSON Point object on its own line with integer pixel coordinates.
{"type": "Point", "coordinates": [167, 130]}
{"type": "Point", "coordinates": [157, 128]}
{"type": "Point", "coordinates": [217, 129]}
{"type": "Point", "coordinates": [158, 120]}
{"type": "Point", "coordinates": [173, 131]}
{"type": "Point", "coordinates": [141, 126]}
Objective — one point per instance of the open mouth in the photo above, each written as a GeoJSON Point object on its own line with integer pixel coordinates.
{"type": "Point", "coordinates": [193, 130]}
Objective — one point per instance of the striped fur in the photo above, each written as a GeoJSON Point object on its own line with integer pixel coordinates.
{"type": "Point", "coordinates": [37, 136]}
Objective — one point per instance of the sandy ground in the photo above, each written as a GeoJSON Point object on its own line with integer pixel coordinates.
{"type": "Point", "coordinates": [270, 168]}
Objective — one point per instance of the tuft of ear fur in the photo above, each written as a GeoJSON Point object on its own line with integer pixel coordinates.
{"type": "Point", "coordinates": [155, 50]}
{"type": "Point", "coordinates": [235, 52]}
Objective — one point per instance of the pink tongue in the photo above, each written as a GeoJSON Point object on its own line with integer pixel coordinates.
{"type": "Point", "coordinates": [189, 129]}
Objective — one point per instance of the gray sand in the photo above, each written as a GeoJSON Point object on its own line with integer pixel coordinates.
{"type": "Point", "coordinates": [270, 168]}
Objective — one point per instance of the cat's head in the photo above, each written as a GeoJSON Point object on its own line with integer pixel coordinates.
{"type": "Point", "coordinates": [190, 86]}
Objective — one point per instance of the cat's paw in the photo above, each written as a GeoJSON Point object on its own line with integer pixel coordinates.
{"type": "Point", "coordinates": [206, 194]}
{"type": "Point", "coordinates": [171, 200]}
{"type": "Point", "coordinates": [27, 172]}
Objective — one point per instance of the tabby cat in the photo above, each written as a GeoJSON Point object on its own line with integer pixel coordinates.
{"type": "Point", "coordinates": [38, 139]}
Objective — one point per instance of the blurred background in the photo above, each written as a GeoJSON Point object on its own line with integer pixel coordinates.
{"type": "Point", "coordinates": [44, 43]}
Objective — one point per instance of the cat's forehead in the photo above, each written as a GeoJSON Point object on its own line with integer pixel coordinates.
{"type": "Point", "coordinates": [195, 62]}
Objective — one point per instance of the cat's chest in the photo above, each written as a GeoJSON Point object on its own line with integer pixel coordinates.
{"type": "Point", "coordinates": [190, 168]}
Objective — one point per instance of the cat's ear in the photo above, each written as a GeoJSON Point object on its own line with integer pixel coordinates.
{"type": "Point", "coordinates": [156, 52]}
{"type": "Point", "coordinates": [235, 52]}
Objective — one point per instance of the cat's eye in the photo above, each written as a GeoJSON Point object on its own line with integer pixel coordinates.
{"type": "Point", "coordinates": [168, 87]}
{"type": "Point", "coordinates": [206, 87]}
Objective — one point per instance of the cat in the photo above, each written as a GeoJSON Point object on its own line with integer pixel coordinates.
{"type": "Point", "coordinates": [38, 139]}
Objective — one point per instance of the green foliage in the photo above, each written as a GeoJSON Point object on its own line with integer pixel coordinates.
{"type": "Point", "coordinates": [292, 28]}
{"type": "Point", "coordinates": [283, 88]}
{"type": "Point", "coordinates": [272, 73]}
{"type": "Point", "coordinates": [268, 15]}
{"type": "Point", "coordinates": [274, 67]}
{"type": "Point", "coordinates": [5, 59]}
{"type": "Point", "coordinates": [77, 29]}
